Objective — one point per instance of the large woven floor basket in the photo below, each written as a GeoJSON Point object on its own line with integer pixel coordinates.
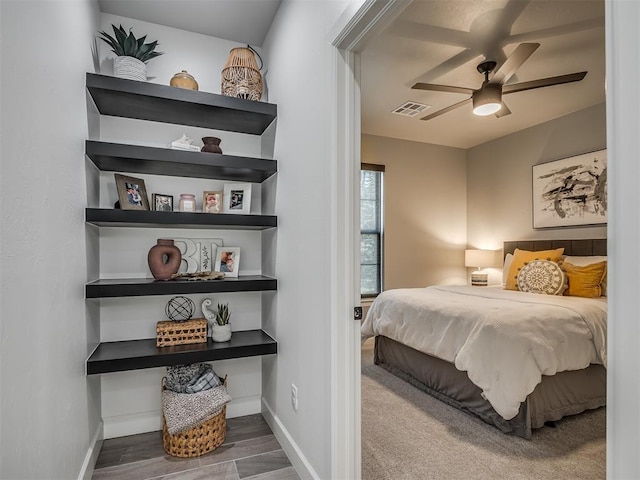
{"type": "Point", "coordinates": [196, 441]}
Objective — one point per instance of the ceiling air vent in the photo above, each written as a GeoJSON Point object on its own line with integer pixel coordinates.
{"type": "Point", "coordinates": [410, 109]}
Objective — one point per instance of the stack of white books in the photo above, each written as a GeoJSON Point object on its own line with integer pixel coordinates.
{"type": "Point", "coordinates": [184, 143]}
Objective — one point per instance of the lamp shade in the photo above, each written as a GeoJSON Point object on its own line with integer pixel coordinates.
{"type": "Point", "coordinates": [487, 100]}
{"type": "Point", "coordinates": [479, 258]}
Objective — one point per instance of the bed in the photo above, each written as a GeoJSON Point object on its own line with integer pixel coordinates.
{"type": "Point", "coordinates": [515, 360]}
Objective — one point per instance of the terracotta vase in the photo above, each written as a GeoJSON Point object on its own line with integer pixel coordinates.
{"type": "Point", "coordinates": [164, 259]}
{"type": "Point", "coordinates": [211, 145]}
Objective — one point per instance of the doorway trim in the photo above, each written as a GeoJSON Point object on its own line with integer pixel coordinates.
{"type": "Point", "coordinates": [360, 22]}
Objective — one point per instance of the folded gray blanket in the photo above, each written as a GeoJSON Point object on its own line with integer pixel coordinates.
{"type": "Point", "coordinates": [191, 378]}
{"type": "Point", "coordinates": [183, 411]}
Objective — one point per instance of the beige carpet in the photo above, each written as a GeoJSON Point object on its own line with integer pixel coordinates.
{"type": "Point", "coordinates": [406, 434]}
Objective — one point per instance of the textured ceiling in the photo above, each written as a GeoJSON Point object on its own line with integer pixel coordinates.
{"type": "Point", "coordinates": [442, 42]}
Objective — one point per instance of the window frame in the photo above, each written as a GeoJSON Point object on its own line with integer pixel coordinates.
{"type": "Point", "coordinates": [380, 234]}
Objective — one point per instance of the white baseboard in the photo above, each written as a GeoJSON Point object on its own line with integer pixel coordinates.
{"type": "Point", "coordinates": [132, 424]}
{"type": "Point", "coordinates": [86, 472]}
{"type": "Point", "coordinates": [150, 421]}
{"type": "Point", "coordinates": [244, 406]}
{"type": "Point", "coordinates": [290, 447]}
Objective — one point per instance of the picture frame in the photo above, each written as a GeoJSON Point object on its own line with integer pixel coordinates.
{"type": "Point", "coordinates": [132, 193]}
{"type": "Point", "coordinates": [237, 198]}
{"type": "Point", "coordinates": [161, 202]}
{"type": "Point", "coordinates": [212, 202]}
{"type": "Point", "coordinates": [570, 192]}
{"type": "Point", "coordinates": [228, 261]}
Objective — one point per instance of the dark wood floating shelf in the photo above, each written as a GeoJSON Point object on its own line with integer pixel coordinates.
{"type": "Point", "coordinates": [108, 217]}
{"type": "Point", "coordinates": [118, 157]}
{"type": "Point", "coordinates": [160, 103]}
{"type": "Point", "coordinates": [138, 354]}
{"type": "Point", "coordinates": [136, 287]}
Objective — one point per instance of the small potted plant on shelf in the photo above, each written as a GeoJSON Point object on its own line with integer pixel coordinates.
{"type": "Point", "coordinates": [132, 53]}
{"type": "Point", "coordinates": [221, 328]}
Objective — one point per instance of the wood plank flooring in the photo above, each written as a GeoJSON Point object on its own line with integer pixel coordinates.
{"type": "Point", "coordinates": [250, 451]}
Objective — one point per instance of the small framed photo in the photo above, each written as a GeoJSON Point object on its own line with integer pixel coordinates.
{"type": "Point", "coordinates": [131, 193]}
{"type": "Point", "coordinates": [228, 261]}
{"type": "Point", "coordinates": [161, 202]}
{"type": "Point", "coordinates": [237, 198]}
{"type": "Point", "coordinates": [212, 202]}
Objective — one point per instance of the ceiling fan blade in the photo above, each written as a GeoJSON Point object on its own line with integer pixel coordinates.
{"type": "Point", "coordinates": [513, 62]}
{"type": "Point", "coordinates": [543, 82]}
{"type": "Point", "coordinates": [442, 88]}
{"type": "Point", "coordinates": [504, 111]}
{"type": "Point", "coordinates": [447, 109]}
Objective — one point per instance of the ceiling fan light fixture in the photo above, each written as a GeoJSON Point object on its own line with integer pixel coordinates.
{"type": "Point", "coordinates": [487, 100]}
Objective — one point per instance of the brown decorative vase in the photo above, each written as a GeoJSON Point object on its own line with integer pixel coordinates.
{"type": "Point", "coordinates": [184, 80]}
{"type": "Point", "coordinates": [164, 259]}
{"type": "Point", "coordinates": [211, 145]}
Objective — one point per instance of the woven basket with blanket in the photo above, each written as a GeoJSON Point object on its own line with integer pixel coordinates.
{"type": "Point", "coordinates": [194, 408]}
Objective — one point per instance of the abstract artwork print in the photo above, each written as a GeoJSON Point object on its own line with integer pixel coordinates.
{"type": "Point", "coordinates": [571, 191]}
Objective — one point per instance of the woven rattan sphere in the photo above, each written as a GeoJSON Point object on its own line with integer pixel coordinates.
{"type": "Point", "coordinates": [180, 309]}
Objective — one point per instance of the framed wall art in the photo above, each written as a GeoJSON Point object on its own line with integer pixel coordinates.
{"type": "Point", "coordinates": [237, 198]}
{"type": "Point", "coordinates": [571, 191]}
{"type": "Point", "coordinates": [132, 193]}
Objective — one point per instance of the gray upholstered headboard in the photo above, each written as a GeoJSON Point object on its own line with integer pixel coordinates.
{"type": "Point", "coordinates": [571, 247]}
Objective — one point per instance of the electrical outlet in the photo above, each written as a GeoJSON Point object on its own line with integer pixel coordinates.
{"type": "Point", "coordinates": [294, 397]}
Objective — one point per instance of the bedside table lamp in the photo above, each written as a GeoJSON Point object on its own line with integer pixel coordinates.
{"type": "Point", "coordinates": [479, 259]}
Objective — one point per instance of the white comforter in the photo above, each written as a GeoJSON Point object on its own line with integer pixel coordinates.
{"type": "Point", "coordinates": [505, 340]}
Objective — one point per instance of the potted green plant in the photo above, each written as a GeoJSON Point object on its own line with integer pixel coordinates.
{"type": "Point", "coordinates": [132, 53]}
{"type": "Point", "coordinates": [221, 327]}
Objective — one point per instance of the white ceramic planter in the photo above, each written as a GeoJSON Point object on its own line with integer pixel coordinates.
{"type": "Point", "coordinates": [130, 68]}
{"type": "Point", "coordinates": [220, 333]}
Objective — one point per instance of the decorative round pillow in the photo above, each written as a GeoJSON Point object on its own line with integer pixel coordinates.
{"type": "Point", "coordinates": [542, 276]}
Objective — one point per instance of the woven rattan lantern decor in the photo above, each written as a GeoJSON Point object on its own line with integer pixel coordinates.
{"type": "Point", "coordinates": [241, 76]}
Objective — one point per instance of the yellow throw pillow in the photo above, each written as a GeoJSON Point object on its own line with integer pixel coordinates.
{"type": "Point", "coordinates": [585, 281]}
{"type": "Point", "coordinates": [522, 257]}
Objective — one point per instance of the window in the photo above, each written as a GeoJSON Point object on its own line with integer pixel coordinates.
{"type": "Point", "coordinates": [371, 229]}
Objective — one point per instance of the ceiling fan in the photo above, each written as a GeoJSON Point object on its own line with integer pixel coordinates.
{"type": "Point", "coordinates": [487, 100]}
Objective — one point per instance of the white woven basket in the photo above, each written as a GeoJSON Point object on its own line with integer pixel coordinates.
{"type": "Point", "coordinates": [130, 68]}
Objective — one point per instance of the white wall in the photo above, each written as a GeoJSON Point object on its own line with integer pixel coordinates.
{"type": "Point", "coordinates": [301, 77]}
{"type": "Point", "coordinates": [499, 198]}
{"type": "Point", "coordinates": [47, 330]}
{"type": "Point", "coordinates": [201, 55]}
{"type": "Point", "coordinates": [131, 400]}
{"type": "Point", "coordinates": [425, 211]}
{"type": "Point", "coordinates": [623, 121]}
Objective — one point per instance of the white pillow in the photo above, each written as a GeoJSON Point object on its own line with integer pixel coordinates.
{"type": "Point", "coordinates": [589, 260]}
{"type": "Point", "coordinates": [542, 276]}
{"type": "Point", "coordinates": [505, 268]}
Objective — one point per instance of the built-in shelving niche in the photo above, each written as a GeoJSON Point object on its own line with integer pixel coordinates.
{"type": "Point", "coordinates": [147, 101]}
